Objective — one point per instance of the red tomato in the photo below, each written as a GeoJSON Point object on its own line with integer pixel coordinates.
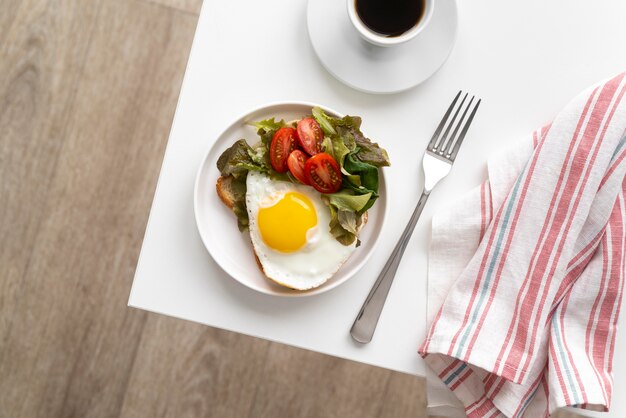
{"type": "Point", "coordinates": [310, 136]}
{"type": "Point", "coordinates": [296, 161]}
{"type": "Point", "coordinates": [323, 173]}
{"type": "Point", "coordinates": [283, 142]}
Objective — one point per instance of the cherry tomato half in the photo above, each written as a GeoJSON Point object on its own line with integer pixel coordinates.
{"type": "Point", "coordinates": [323, 173]}
{"type": "Point", "coordinates": [283, 142]}
{"type": "Point", "coordinates": [310, 136]}
{"type": "Point", "coordinates": [296, 161]}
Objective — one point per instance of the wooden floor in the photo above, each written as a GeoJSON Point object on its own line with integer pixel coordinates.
{"type": "Point", "coordinates": [88, 90]}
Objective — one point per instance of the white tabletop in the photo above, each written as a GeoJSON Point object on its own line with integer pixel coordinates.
{"type": "Point", "coordinates": [525, 59]}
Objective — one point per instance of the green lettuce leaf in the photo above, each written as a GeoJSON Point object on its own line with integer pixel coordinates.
{"type": "Point", "coordinates": [267, 128]}
{"type": "Point", "coordinates": [353, 180]}
{"type": "Point", "coordinates": [367, 172]}
{"type": "Point", "coordinates": [340, 233]}
{"type": "Point", "coordinates": [350, 122]}
{"type": "Point", "coordinates": [348, 221]}
{"type": "Point", "coordinates": [370, 152]}
{"type": "Point", "coordinates": [327, 147]}
{"type": "Point", "coordinates": [349, 129]}
{"type": "Point", "coordinates": [337, 230]}
{"type": "Point", "coordinates": [347, 201]}
{"type": "Point", "coordinates": [269, 125]}
{"type": "Point", "coordinates": [237, 160]}
{"type": "Point", "coordinates": [368, 175]}
{"type": "Point", "coordinates": [347, 136]}
{"type": "Point", "coordinates": [238, 188]}
{"type": "Point", "coordinates": [325, 121]}
{"type": "Point", "coordinates": [340, 150]}
{"type": "Point", "coordinates": [260, 155]}
{"type": "Point", "coordinates": [345, 225]}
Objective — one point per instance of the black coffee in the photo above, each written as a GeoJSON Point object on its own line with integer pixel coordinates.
{"type": "Point", "coordinates": [390, 17]}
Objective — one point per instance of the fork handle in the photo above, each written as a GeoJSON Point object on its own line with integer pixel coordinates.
{"type": "Point", "coordinates": [365, 323]}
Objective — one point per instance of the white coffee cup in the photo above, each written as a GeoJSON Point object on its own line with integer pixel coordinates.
{"type": "Point", "coordinates": [381, 40]}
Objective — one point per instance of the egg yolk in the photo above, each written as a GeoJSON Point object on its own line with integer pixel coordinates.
{"type": "Point", "coordinates": [284, 226]}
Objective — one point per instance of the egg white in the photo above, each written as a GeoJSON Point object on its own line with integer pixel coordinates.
{"type": "Point", "coordinates": [317, 260]}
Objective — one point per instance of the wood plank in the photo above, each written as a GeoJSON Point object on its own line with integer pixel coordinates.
{"type": "Point", "coordinates": [405, 396]}
{"type": "Point", "coordinates": [300, 383]}
{"type": "Point", "coordinates": [71, 346]}
{"type": "Point", "coordinates": [189, 6]}
{"type": "Point", "coordinates": [190, 370]}
{"type": "Point", "coordinates": [40, 65]}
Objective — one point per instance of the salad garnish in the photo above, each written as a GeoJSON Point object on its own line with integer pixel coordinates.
{"type": "Point", "coordinates": [327, 153]}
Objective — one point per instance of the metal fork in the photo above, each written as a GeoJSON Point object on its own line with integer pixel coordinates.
{"type": "Point", "coordinates": [437, 162]}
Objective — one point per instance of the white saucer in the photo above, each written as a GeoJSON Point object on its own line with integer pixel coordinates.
{"type": "Point", "coordinates": [374, 69]}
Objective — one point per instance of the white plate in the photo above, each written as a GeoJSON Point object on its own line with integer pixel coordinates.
{"type": "Point", "coordinates": [375, 69]}
{"type": "Point", "coordinates": [217, 224]}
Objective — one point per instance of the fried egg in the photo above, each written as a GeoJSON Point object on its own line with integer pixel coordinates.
{"type": "Point", "coordinates": [290, 233]}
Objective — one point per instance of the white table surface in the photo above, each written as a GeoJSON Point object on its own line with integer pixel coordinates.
{"type": "Point", "coordinates": [525, 59]}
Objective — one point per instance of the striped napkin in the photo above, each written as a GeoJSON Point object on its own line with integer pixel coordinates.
{"type": "Point", "coordinates": [529, 269]}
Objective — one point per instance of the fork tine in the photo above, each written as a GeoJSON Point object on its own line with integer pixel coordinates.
{"type": "Point", "coordinates": [433, 140]}
{"type": "Point", "coordinates": [445, 139]}
{"type": "Point", "coordinates": [446, 153]}
{"type": "Point", "coordinates": [455, 150]}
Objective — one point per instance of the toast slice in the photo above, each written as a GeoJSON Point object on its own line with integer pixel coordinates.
{"type": "Point", "coordinates": [225, 190]}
